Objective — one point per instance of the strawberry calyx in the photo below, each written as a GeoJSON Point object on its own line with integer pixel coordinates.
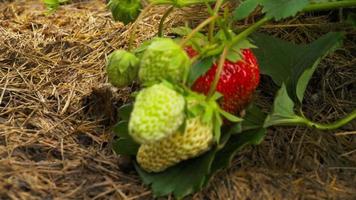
{"type": "Point", "coordinates": [209, 110]}
{"type": "Point", "coordinates": [122, 68]}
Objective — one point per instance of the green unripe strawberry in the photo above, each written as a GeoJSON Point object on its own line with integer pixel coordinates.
{"type": "Point", "coordinates": [158, 112]}
{"type": "Point", "coordinates": [163, 59]}
{"type": "Point", "coordinates": [196, 139]}
{"type": "Point", "coordinates": [125, 11]}
{"type": "Point", "coordinates": [122, 68]}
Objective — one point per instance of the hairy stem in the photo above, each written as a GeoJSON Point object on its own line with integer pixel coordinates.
{"type": "Point", "coordinates": [163, 19]}
{"type": "Point", "coordinates": [335, 125]}
{"type": "Point", "coordinates": [249, 30]}
{"type": "Point", "coordinates": [134, 26]}
{"type": "Point", "coordinates": [212, 24]}
{"type": "Point", "coordinates": [197, 29]}
{"type": "Point", "coordinates": [218, 72]}
{"type": "Point", "coordinates": [330, 5]}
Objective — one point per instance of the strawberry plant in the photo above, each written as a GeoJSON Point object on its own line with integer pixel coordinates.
{"type": "Point", "coordinates": [194, 110]}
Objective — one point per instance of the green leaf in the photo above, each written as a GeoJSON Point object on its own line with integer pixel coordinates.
{"type": "Point", "coordinates": [224, 157]}
{"type": "Point", "coordinates": [125, 146]}
{"type": "Point", "coordinates": [199, 69]}
{"type": "Point", "coordinates": [254, 119]}
{"type": "Point", "coordinates": [245, 9]}
{"type": "Point", "coordinates": [230, 116]}
{"type": "Point", "coordinates": [180, 180]}
{"type": "Point", "coordinates": [277, 9]}
{"type": "Point", "coordinates": [283, 111]}
{"type": "Point", "coordinates": [310, 61]}
{"type": "Point", "coordinates": [280, 9]}
{"type": "Point", "coordinates": [275, 56]}
{"type": "Point", "coordinates": [192, 175]}
{"type": "Point", "coordinates": [121, 129]}
{"type": "Point", "coordinates": [124, 111]}
{"type": "Point", "coordinates": [293, 64]}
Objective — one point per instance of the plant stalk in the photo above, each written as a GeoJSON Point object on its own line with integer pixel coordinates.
{"type": "Point", "coordinates": [330, 5]}
{"type": "Point", "coordinates": [163, 19]}
{"type": "Point", "coordinates": [335, 125]}
{"type": "Point", "coordinates": [212, 24]}
{"type": "Point", "coordinates": [134, 26]}
{"type": "Point", "coordinates": [249, 30]}
{"type": "Point", "coordinates": [197, 29]}
{"type": "Point", "coordinates": [218, 72]}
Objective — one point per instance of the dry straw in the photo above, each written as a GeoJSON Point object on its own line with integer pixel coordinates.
{"type": "Point", "coordinates": [56, 112]}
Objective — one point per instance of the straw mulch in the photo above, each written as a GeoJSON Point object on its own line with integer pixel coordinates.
{"type": "Point", "coordinates": [56, 110]}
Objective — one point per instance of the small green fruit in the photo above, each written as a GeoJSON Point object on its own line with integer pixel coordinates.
{"type": "Point", "coordinates": [125, 11]}
{"type": "Point", "coordinates": [163, 60]}
{"type": "Point", "coordinates": [158, 112]}
{"type": "Point", "coordinates": [122, 68]}
{"type": "Point", "coordinates": [196, 139]}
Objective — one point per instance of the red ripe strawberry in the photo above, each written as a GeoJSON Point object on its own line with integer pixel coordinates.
{"type": "Point", "coordinates": [237, 82]}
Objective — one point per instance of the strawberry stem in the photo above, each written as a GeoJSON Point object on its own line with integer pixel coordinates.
{"type": "Point", "coordinates": [197, 29]}
{"type": "Point", "coordinates": [135, 24]}
{"type": "Point", "coordinates": [218, 72]}
{"type": "Point", "coordinates": [163, 19]}
{"type": "Point", "coordinates": [241, 36]}
{"type": "Point", "coordinates": [212, 24]}
{"type": "Point", "coordinates": [335, 125]}
{"type": "Point", "coordinates": [330, 5]}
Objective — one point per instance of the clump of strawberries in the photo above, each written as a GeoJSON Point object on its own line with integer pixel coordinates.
{"type": "Point", "coordinates": [171, 121]}
{"type": "Point", "coordinates": [175, 118]}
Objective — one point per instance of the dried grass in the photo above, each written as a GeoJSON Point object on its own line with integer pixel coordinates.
{"type": "Point", "coordinates": [56, 111]}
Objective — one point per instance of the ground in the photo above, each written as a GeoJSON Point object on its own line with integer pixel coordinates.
{"type": "Point", "coordinates": [56, 111]}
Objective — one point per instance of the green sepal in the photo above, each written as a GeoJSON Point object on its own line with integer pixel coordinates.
{"type": "Point", "coordinates": [230, 116]}
{"type": "Point", "coordinates": [235, 52]}
{"type": "Point", "coordinates": [217, 123]}
{"type": "Point", "coordinates": [122, 68]}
